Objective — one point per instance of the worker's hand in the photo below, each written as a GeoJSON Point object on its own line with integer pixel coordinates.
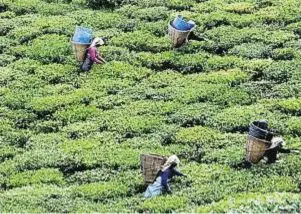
{"type": "Point", "coordinates": [169, 191]}
{"type": "Point", "coordinates": [274, 130]}
{"type": "Point", "coordinates": [102, 59]}
{"type": "Point", "coordinates": [295, 151]}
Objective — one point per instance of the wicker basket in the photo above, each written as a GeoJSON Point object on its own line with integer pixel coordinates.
{"type": "Point", "coordinates": [79, 50]}
{"type": "Point", "coordinates": [178, 37]}
{"type": "Point", "coordinates": [260, 133]}
{"type": "Point", "coordinates": [255, 149]}
{"type": "Point", "coordinates": [150, 165]}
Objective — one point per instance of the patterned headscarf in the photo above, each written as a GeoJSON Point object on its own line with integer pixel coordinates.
{"type": "Point", "coordinates": [172, 159]}
{"type": "Point", "coordinates": [277, 141]}
{"type": "Point", "coordinates": [97, 41]}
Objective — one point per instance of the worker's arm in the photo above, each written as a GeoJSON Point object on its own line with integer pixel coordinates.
{"type": "Point", "coordinates": [178, 173]}
{"type": "Point", "coordinates": [282, 150]}
{"type": "Point", "coordinates": [102, 59]}
{"type": "Point", "coordinates": [295, 151]}
{"type": "Point", "coordinates": [193, 36]}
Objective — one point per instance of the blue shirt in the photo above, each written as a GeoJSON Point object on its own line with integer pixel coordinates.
{"type": "Point", "coordinates": [168, 174]}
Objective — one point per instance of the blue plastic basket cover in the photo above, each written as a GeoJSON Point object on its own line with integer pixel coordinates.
{"type": "Point", "coordinates": [180, 24]}
{"type": "Point", "coordinates": [82, 35]}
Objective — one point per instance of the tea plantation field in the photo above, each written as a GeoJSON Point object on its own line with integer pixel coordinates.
{"type": "Point", "coordinates": [71, 141]}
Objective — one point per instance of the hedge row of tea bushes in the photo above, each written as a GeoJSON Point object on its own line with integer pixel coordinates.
{"type": "Point", "coordinates": [71, 141]}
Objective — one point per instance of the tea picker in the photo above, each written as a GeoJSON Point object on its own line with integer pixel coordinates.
{"type": "Point", "coordinates": [179, 30]}
{"type": "Point", "coordinates": [157, 170]}
{"type": "Point", "coordinates": [276, 147]}
{"type": "Point", "coordinates": [264, 144]}
{"type": "Point", "coordinates": [92, 56]}
{"type": "Point", "coordinates": [86, 51]}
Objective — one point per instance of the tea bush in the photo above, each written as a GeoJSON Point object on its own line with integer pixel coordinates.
{"type": "Point", "coordinates": [48, 126]}
{"type": "Point", "coordinates": [25, 65]}
{"type": "Point", "coordinates": [195, 114]}
{"type": "Point", "coordinates": [33, 160]}
{"type": "Point", "coordinates": [136, 124]}
{"type": "Point", "coordinates": [168, 204]}
{"type": "Point", "coordinates": [4, 42]}
{"type": "Point", "coordinates": [93, 176]}
{"type": "Point", "coordinates": [78, 130]}
{"type": "Point", "coordinates": [28, 198]}
{"type": "Point", "coordinates": [226, 37]}
{"type": "Point", "coordinates": [258, 202]}
{"type": "Point", "coordinates": [228, 156]}
{"type": "Point", "coordinates": [173, 60]}
{"type": "Point", "coordinates": [157, 28]}
{"type": "Point", "coordinates": [124, 71]}
{"type": "Point", "coordinates": [55, 73]}
{"type": "Point", "coordinates": [19, 118]}
{"type": "Point", "coordinates": [149, 14]}
{"type": "Point", "coordinates": [103, 3]}
{"type": "Point", "coordinates": [146, 107]}
{"type": "Point", "coordinates": [8, 152]}
{"type": "Point", "coordinates": [24, 34]}
{"type": "Point", "coordinates": [23, 7]}
{"type": "Point", "coordinates": [6, 59]}
{"type": "Point", "coordinates": [6, 26]}
{"type": "Point", "coordinates": [281, 71]}
{"type": "Point", "coordinates": [251, 50]}
{"type": "Point", "coordinates": [43, 25]}
{"type": "Point", "coordinates": [240, 123]}
{"type": "Point", "coordinates": [287, 90]}
{"type": "Point", "coordinates": [240, 7]}
{"type": "Point", "coordinates": [54, 8]}
{"type": "Point", "coordinates": [198, 62]}
{"type": "Point", "coordinates": [77, 113]}
{"type": "Point", "coordinates": [101, 191]}
{"type": "Point", "coordinates": [118, 54]}
{"type": "Point", "coordinates": [85, 155]}
{"type": "Point", "coordinates": [88, 18]}
{"type": "Point", "coordinates": [142, 41]}
{"type": "Point", "coordinates": [47, 48]}
{"type": "Point", "coordinates": [217, 63]}
{"type": "Point", "coordinates": [36, 177]}
{"type": "Point", "coordinates": [211, 93]}
{"type": "Point", "coordinates": [231, 77]}
{"type": "Point", "coordinates": [284, 54]}
{"type": "Point", "coordinates": [49, 104]}
{"type": "Point", "coordinates": [163, 79]}
{"type": "Point", "coordinates": [201, 135]}
{"type": "Point", "coordinates": [293, 126]}
{"type": "Point", "coordinates": [7, 14]}
{"type": "Point", "coordinates": [290, 106]}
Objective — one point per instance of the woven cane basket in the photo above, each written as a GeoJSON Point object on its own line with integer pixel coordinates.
{"type": "Point", "coordinates": [79, 50]}
{"type": "Point", "coordinates": [255, 149]}
{"type": "Point", "coordinates": [150, 165]}
{"type": "Point", "coordinates": [178, 37]}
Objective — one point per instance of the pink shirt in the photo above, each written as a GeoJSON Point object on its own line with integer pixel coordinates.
{"type": "Point", "coordinates": [94, 55]}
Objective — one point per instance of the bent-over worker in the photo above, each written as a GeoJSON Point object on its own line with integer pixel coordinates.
{"type": "Point", "coordinates": [167, 171]}
{"type": "Point", "coordinates": [270, 155]}
{"type": "Point", "coordinates": [92, 56]}
{"type": "Point", "coordinates": [275, 148]}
